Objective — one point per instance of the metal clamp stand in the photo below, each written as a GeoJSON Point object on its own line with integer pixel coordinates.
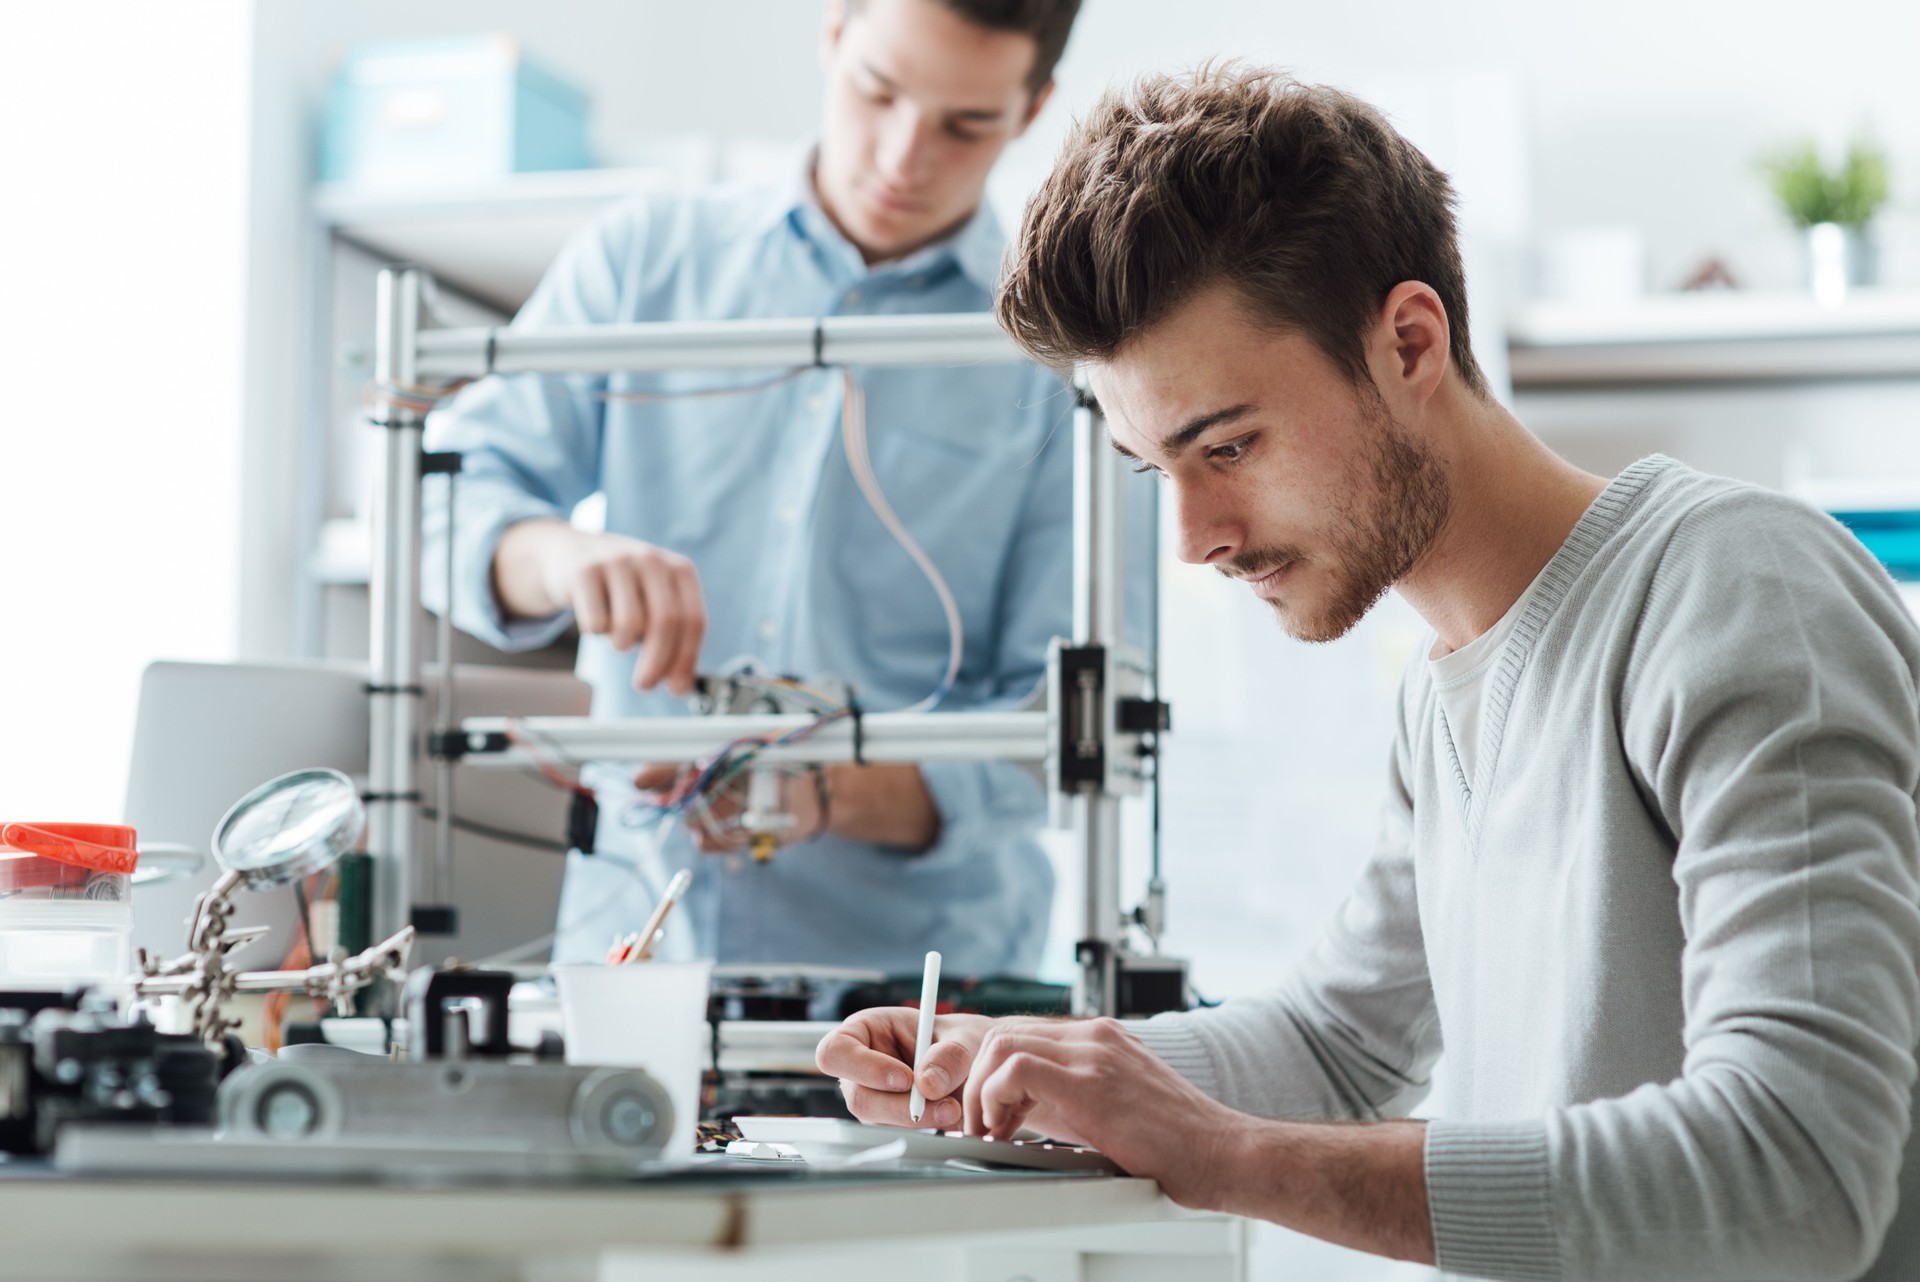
{"type": "Point", "coordinates": [206, 980]}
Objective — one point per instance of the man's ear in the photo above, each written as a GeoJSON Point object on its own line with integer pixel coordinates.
{"type": "Point", "coordinates": [833, 24]}
{"type": "Point", "coordinates": [1411, 341]}
{"type": "Point", "coordinates": [1033, 108]}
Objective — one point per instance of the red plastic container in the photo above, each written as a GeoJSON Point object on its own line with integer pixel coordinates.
{"type": "Point", "coordinates": [67, 861]}
{"type": "Point", "coordinates": [66, 903]}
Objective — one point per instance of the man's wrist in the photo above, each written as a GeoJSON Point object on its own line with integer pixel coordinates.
{"type": "Point", "coordinates": [1246, 1153]}
{"type": "Point", "coordinates": [885, 805]}
{"type": "Point", "coordinates": [520, 567]}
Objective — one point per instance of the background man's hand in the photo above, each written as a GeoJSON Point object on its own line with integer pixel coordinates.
{"type": "Point", "coordinates": [799, 802]}
{"type": "Point", "coordinates": [631, 592]}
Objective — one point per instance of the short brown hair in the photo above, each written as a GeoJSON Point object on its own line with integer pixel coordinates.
{"type": "Point", "coordinates": [1301, 197]}
{"type": "Point", "coordinates": [1049, 22]}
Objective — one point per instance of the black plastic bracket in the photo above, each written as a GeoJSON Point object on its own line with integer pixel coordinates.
{"type": "Point", "coordinates": [436, 919]}
{"type": "Point", "coordinates": [440, 463]}
{"type": "Point", "coordinates": [583, 822]}
{"type": "Point", "coordinates": [451, 745]}
{"type": "Point", "coordinates": [1083, 744]}
{"type": "Point", "coordinates": [1146, 716]}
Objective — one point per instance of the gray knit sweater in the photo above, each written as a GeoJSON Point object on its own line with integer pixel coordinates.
{"type": "Point", "coordinates": [1669, 932]}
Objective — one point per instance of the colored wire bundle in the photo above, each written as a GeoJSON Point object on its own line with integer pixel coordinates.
{"type": "Point", "coordinates": [418, 400]}
{"type": "Point", "coordinates": [692, 797]}
{"type": "Point", "coordinates": [853, 431]}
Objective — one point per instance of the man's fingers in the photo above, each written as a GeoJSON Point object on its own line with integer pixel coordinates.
{"type": "Point", "coordinates": [655, 778]}
{"type": "Point", "coordinates": [1021, 1083]}
{"type": "Point", "coordinates": [944, 1069]}
{"type": "Point", "coordinates": [1002, 1042]}
{"type": "Point", "coordinates": [847, 1055]}
{"type": "Point", "coordinates": [590, 600]}
{"type": "Point", "coordinates": [627, 613]}
{"type": "Point", "coordinates": [661, 645]}
{"type": "Point", "coordinates": [886, 1108]}
{"type": "Point", "coordinates": [693, 604]}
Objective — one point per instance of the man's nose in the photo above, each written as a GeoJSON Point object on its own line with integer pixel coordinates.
{"type": "Point", "coordinates": [1204, 533]}
{"type": "Point", "coordinates": [903, 151]}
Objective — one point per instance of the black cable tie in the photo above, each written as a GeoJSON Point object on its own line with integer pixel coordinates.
{"type": "Point", "coordinates": [418, 692]}
{"type": "Point", "coordinates": [493, 340]}
{"type": "Point", "coordinates": [390, 796]}
{"type": "Point", "coordinates": [859, 729]}
{"type": "Point", "coordinates": [819, 343]}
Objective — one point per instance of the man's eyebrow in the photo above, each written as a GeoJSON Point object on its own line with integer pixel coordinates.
{"type": "Point", "coordinates": [1174, 442]}
{"type": "Point", "coordinates": [982, 114]}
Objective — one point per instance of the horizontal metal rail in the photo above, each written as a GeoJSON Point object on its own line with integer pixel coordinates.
{"type": "Point", "coordinates": [961, 338]}
{"type": "Point", "coordinates": [884, 736]}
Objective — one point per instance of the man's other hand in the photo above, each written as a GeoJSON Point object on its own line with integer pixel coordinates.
{"type": "Point", "coordinates": [631, 592]}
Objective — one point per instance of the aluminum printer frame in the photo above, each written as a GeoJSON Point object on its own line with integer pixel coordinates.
{"type": "Point", "coordinates": [1102, 719]}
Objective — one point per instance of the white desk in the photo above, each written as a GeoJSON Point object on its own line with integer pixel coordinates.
{"type": "Point", "coordinates": [978, 1229]}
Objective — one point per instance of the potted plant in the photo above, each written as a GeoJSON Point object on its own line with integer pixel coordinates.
{"type": "Point", "coordinates": [1832, 207]}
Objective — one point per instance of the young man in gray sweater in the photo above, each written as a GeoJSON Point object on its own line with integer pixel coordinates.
{"type": "Point", "coordinates": [1649, 869]}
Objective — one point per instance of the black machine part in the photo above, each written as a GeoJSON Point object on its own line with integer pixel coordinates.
{"type": "Point", "coordinates": [457, 1013]}
{"type": "Point", "coordinates": [59, 1066]}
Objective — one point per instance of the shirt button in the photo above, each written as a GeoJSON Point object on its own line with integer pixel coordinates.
{"type": "Point", "coordinates": [769, 630]}
{"type": "Point", "coordinates": [816, 403]}
{"type": "Point", "coordinates": [789, 515]}
{"type": "Point", "coordinates": [853, 298]}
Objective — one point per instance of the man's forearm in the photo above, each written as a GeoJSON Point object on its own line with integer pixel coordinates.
{"type": "Point", "coordinates": [1358, 1184]}
{"type": "Point", "coordinates": [883, 805]}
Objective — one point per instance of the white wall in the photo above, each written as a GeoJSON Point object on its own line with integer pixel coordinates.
{"type": "Point", "coordinates": [122, 235]}
{"type": "Point", "coordinates": [1642, 113]}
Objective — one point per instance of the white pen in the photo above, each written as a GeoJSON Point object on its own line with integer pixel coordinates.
{"type": "Point", "coordinates": [648, 933]}
{"type": "Point", "coordinates": [923, 1040]}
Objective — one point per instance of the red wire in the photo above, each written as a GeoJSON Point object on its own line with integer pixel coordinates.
{"type": "Point", "coordinates": [559, 780]}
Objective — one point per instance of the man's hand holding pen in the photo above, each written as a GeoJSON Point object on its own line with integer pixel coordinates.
{"type": "Point", "coordinates": [1086, 1082]}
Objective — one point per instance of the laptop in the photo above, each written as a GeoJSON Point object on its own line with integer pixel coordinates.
{"type": "Point", "coordinates": [209, 733]}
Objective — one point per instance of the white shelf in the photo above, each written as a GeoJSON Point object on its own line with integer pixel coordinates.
{"type": "Point", "coordinates": [1717, 337]}
{"type": "Point", "coordinates": [490, 240]}
{"type": "Point", "coordinates": [344, 554]}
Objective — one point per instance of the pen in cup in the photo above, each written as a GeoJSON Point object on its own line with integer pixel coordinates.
{"type": "Point", "coordinates": [923, 1039]}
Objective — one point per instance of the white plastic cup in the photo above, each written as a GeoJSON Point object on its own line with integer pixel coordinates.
{"type": "Point", "coordinates": [650, 1015]}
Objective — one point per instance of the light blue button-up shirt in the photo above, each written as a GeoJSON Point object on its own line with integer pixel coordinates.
{"type": "Point", "coordinates": [798, 571]}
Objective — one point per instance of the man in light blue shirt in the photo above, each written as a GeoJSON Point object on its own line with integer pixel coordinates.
{"type": "Point", "coordinates": [734, 526]}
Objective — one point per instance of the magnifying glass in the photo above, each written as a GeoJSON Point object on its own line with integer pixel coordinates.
{"type": "Point", "coordinates": [289, 828]}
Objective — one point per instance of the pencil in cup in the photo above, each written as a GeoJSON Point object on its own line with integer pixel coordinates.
{"type": "Point", "coordinates": [638, 947]}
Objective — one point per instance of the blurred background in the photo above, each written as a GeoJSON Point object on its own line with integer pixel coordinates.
{"type": "Point", "coordinates": [185, 325]}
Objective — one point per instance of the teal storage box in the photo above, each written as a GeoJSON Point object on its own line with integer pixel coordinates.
{"type": "Point", "coordinates": [1891, 534]}
{"type": "Point", "coordinates": [437, 111]}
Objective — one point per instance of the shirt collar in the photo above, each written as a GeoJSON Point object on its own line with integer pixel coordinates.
{"type": "Point", "coordinates": [976, 246]}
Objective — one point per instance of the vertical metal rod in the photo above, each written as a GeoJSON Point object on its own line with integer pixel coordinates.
{"type": "Point", "coordinates": [1098, 592]}
{"type": "Point", "coordinates": [314, 427]}
{"type": "Point", "coordinates": [448, 718]}
{"type": "Point", "coordinates": [394, 695]}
